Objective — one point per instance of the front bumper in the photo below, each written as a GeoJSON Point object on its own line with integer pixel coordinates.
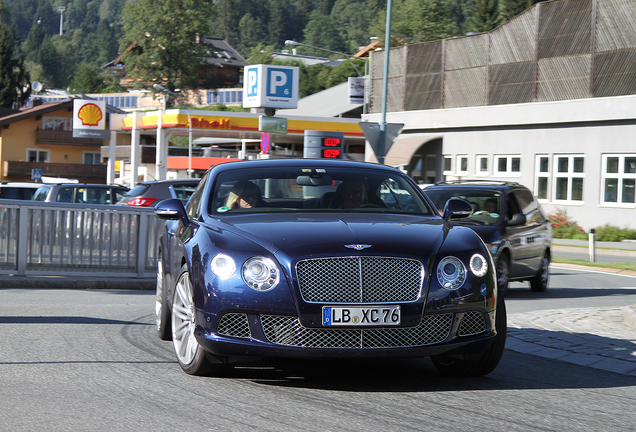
{"type": "Point", "coordinates": [239, 334]}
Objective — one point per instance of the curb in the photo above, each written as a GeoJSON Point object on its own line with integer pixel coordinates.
{"type": "Point", "coordinates": [53, 282]}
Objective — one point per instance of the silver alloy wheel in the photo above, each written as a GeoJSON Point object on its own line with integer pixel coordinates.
{"type": "Point", "coordinates": [159, 294]}
{"type": "Point", "coordinates": [185, 344]}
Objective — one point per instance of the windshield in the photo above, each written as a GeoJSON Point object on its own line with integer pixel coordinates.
{"type": "Point", "coordinates": [281, 189]}
{"type": "Point", "coordinates": [486, 203]}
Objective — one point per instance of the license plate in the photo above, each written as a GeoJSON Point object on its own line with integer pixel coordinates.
{"type": "Point", "coordinates": [361, 316]}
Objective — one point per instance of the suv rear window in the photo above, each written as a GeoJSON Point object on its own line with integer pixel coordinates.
{"type": "Point", "coordinates": [138, 190]}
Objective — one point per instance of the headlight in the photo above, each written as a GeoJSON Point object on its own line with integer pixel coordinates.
{"type": "Point", "coordinates": [223, 266]}
{"type": "Point", "coordinates": [260, 274]}
{"type": "Point", "coordinates": [451, 273]}
{"type": "Point", "coordinates": [478, 265]}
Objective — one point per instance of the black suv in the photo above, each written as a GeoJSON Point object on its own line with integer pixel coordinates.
{"type": "Point", "coordinates": [510, 221]}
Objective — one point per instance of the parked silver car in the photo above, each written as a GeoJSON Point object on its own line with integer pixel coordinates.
{"type": "Point", "coordinates": [80, 193]}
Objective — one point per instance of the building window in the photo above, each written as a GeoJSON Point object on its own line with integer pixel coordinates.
{"type": "Point", "coordinates": [481, 166]}
{"type": "Point", "coordinates": [462, 165]}
{"type": "Point", "coordinates": [448, 167]}
{"type": "Point", "coordinates": [54, 123]}
{"type": "Point", "coordinates": [568, 178]}
{"type": "Point", "coordinates": [35, 155]}
{"type": "Point", "coordinates": [619, 179]}
{"type": "Point", "coordinates": [508, 165]}
{"type": "Point", "coordinates": [92, 158]}
{"type": "Point", "coordinates": [542, 175]}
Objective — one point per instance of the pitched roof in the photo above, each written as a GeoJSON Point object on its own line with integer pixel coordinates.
{"type": "Point", "coordinates": [223, 54]}
{"type": "Point", "coordinates": [38, 110]}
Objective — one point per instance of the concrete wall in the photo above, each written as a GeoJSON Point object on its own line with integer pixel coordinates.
{"type": "Point", "coordinates": [587, 127]}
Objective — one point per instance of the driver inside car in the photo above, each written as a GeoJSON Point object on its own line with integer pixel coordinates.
{"type": "Point", "coordinates": [350, 194]}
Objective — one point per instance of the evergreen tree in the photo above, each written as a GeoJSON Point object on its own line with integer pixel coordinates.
{"type": "Point", "coordinates": [278, 22]}
{"type": "Point", "coordinates": [353, 19]}
{"type": "Point", "coordinates": [509, 9]}
{"type": "Point", "coordinates": [13, 77]}
{"type": "Point", "coordinates": [416, 21]}
{"type": "Point", "coordinates": [320, 32]}
{"type": "Point", "coordinates": [485, 16]}
{"type": "Point", "coordinates": [88, 79]}
{"type": "Point", "coordinates": [252, 32]}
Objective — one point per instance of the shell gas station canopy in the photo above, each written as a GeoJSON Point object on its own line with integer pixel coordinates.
{"type": "Point", "coordinates": [237, 126]}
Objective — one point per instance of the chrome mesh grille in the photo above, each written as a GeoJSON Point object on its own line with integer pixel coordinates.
{"type": "Point", "coordinates": [472, 323]}
{"type": "Point", "coordinates": [360, 279]}
{"type": "Point", "coordinates": [235, 325]}
{"type": "Point", "coordinates": [287, 330]}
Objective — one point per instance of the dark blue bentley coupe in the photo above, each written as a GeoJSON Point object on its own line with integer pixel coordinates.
{"type": "Point", "coordinates": [311, 258]}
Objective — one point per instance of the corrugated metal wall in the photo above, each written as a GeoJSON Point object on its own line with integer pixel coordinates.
{"type": "Point", "coordinates": [567, 49]}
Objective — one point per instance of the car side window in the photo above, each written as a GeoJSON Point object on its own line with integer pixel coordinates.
{"type": "Point", "coordinates": [65, 194]}
{"type": "Point", "coordinates": [41, 193]}
{"type": "Point", "coordinates": [512, 206]}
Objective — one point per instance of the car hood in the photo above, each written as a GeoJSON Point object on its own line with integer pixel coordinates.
{"type": "Point", "coordinates": [297, 235]}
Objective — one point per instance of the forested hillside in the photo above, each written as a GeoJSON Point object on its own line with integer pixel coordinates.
{"type": "Point", "coordinates": [93, 31]}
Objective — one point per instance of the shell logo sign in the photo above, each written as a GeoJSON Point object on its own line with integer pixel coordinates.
{"type": "Point", "coordinates": [90, 114]}
{"type": "Point", "coordinates": [89, 119]}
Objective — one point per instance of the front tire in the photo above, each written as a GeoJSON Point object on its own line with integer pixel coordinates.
{"type": "Point", "coordinates": [503, 273]}
{"type": "Point", "coordinates": [190, 355]}
{"type": "Point", "coordinates": [487, 361]}
{"type": "Point", "coordinates": [539, 283]}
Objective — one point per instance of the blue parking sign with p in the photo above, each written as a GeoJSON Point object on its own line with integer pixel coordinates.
{"type": "Point", "coordinates": [270, 86]}
{"type": "Point", "coordinates": [279, 82]}
{"type": "Point", "coordinates": [252, 81]}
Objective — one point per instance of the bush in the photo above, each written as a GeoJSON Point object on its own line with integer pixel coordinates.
{"type": "Point", "coordinates": [612, 233]}
{"type": "Point", "coordinates": [565, 228]}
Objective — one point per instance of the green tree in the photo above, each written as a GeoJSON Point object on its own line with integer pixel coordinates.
{"type": "Point", "coordinates": [261, 54]}
{"type": "Point", "coordinates": [87, 79]}
{"type": "Point", "coordinates": [279, 22]}
{"type": "Point", "coordinates": [320, 32]}
{"type": "Point", "coordinates": [13, 76]}
{"type": "Point", "coordinates": [415, 21]}
{"type": "Point", "coordinates": [165, 34]}
{"type": "Point", "coordinates": [485, 16]}
{"type": "Point", "coordinates": [459, 13]}
{"type": "Point", "coordinates": [252, 32]}
{"type": "Point", "coordinates": [509, 9]}
{"type": "Point", "coordinates": [353, 19]}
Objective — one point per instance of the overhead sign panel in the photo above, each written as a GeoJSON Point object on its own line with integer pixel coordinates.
{"type": "Point", "coordinates": [272, 124]}
{"type": "Point", "coordinates": [356, 90]}
{"type": "Point", "coordinates": [270, 86]}
{"type": "Point", "coordinates": [89, 119]}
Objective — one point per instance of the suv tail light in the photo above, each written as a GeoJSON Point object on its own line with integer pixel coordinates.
{"type": "Point", "coordinates": [141, 202]}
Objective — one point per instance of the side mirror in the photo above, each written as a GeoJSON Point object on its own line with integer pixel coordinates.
{"type": "Point", "coordinates": [171, 209]}
{"type": "Point", "coordinates": [517, 219]}
{"type": "Point", "coordinates": [457, 208]}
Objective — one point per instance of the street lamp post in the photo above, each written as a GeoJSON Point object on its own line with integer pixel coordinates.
{"type": "Point", "coordinates": [385, 81]}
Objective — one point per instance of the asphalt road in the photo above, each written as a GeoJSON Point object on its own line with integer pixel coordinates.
{"type": "Point", "coordinates": [89, 360]}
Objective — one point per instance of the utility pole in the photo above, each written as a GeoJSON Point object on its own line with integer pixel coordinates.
{"type": "Point", "coordinates": [61, 10]}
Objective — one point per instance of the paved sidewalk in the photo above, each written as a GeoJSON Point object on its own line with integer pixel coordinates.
{"type": "Point", "coordinates": [602, 338]}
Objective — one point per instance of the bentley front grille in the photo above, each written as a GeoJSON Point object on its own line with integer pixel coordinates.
{"type": "Point", "coordinates": [287, 330]}
{"type": "Point", "coordinates": [235, 325]}
{"type": "Point", "coordinates": [472, 323]}
{"type": "Point", "coordinates": [360, 279]}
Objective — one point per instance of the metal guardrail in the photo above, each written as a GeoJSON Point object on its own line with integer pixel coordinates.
{"type": "Point", "coordinates": [77, 240]}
